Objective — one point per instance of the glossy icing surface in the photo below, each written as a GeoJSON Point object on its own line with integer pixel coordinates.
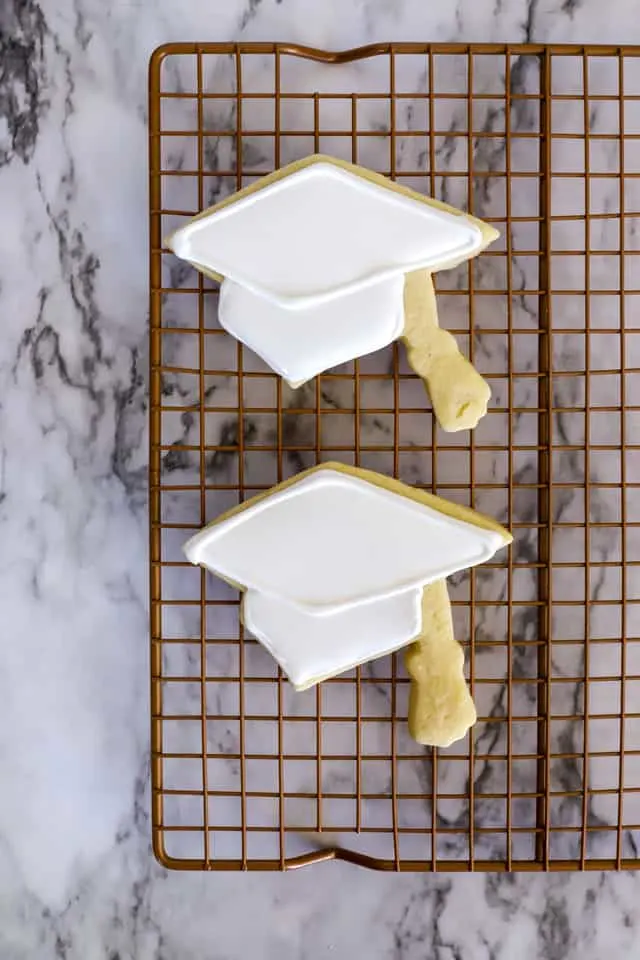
{"type": "Point", "coordinates": [361, 542]}
{"type": "Point", "coordinates": [321, 232]}
{"type": "Point", "coordinates": [299, 344]}
{"type": "Point", "coordinates": [310, 648]}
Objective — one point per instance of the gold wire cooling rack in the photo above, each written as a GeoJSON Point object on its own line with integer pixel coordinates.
{"type": "Point", "coordinates": [544, 142]}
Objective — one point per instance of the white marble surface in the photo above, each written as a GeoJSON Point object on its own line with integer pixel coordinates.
{"type": "Point", "coordinates": [76, 876]}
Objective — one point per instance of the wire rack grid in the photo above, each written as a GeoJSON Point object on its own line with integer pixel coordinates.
{"type": "Point", "coordinates": [544, 142]}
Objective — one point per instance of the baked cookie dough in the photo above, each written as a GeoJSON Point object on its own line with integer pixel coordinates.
{"type": "Point", "coordinates": [312, 260]}
{"type": "Point", "coordinates": [440, 706]}
{"type": "Point", "coordinates": [459, 394]}
{"type": "Point", "coordinates": [333, 564]}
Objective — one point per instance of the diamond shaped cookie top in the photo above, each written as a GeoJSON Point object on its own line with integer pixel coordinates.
{"type": "Point", "coordinates": [321, 228]}
{"type": "Point", "coordinates": [335, 537]}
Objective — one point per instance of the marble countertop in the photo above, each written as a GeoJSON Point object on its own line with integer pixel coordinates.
{"type": "Point", "coordinates": [77, 880]}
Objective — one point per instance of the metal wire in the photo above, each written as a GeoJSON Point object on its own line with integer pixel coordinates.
{"type": "Point", "coordinates": [248, 775]}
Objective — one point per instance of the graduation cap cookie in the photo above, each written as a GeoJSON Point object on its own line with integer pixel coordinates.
{"type": "Point", "coordinates": [314, 262]}
{"type": "Point", "coordinates": [333, 566]}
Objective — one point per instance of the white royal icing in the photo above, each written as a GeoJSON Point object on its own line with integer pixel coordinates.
{"type": "Point", "coordinates": [311, 648]}
{"type": "Point", "coordinates": [322, 232]}
{"type": "Point", "coordinates": [334, 540]}
{"type": "Point", "coordinates": [299, 344]}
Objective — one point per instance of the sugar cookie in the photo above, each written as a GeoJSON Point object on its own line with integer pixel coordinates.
{"type": "Point", "coordinates": [458, 393]}
{"type": "Point", "coordinates": [440, 706]}
{"type": "Point", "coordinates": [333, 563]}
{"type": "Point", "coordinates": [312, 260]}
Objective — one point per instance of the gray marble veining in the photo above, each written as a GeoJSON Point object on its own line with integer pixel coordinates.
{"type": "Point", "coordinates": [76, 876]}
